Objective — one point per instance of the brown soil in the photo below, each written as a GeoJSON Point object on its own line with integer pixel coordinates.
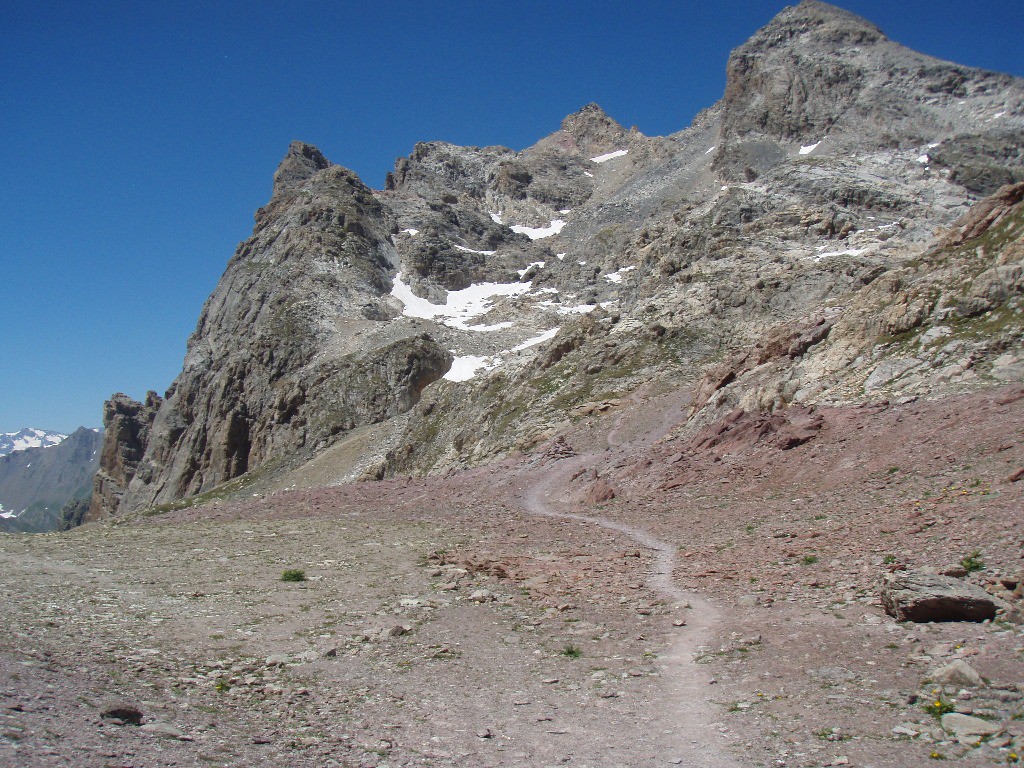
{"type": "Point", "coordinates": [719, 610]}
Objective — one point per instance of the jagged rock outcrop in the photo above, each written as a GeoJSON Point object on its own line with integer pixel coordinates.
{"type": "Point", "coordinates": [126, 426]}
{"type": "Point", "coordinates": [786, 248]}
{"type": "Point", "coordinates": [292, 347]}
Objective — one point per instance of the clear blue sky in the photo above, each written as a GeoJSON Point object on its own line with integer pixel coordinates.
{"type": "Point", "coordinates": [137, 139]}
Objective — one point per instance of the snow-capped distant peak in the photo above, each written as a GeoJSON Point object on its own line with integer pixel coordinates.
{"type": "Point", "coordinates": [28, 438]}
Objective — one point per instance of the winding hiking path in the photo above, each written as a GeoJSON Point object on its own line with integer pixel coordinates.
{"type": "Point", "coordinates": [687, 709]}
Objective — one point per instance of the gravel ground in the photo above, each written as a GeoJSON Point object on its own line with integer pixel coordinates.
{"type": "Point", "coordinates": [467, 621]}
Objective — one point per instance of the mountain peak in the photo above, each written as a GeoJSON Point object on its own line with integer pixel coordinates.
{"type": "Point", "coordinates": [823, 22]}
{"type": "Point", "coordinates": [591, 125]}
{"type": "Point", "coordinates": [301, 161]}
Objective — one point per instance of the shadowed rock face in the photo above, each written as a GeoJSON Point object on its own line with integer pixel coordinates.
{"type": "Point", "coordinates": [126, 425]}
{"type": "Point", "coordinates": [781, 246]}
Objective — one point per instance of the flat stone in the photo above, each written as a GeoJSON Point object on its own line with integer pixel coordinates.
{"type": "Point", "coordinates": [967, 729]}
{"type": "Point", "coordinates": [165, 731]}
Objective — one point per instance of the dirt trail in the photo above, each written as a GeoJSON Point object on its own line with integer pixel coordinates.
{"type": "Point", "coordinates": [687, 707]}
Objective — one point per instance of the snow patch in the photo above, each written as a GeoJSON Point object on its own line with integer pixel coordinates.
{"type": "Point", "coordinates": [582, 309]}
{"type": "Point", "coordinates": [531, 265]}
{"type": "Point", "coordinates": [459, 306]}
{"type": "Point", "coordinates": [934, 144]}
{"type": "Point", "coordinates": [808, 148]}
{"type": "Point", "coordinates": [495, 217]}
{"type": "Point", "coordinates": [616, 277]}
{"type": "Point", "coordinates": [540, 339]}
{"type": "Point", "coordinates": [997, 115]}
{"type": "Point", "coordinates": [470, 250]}
{"type": "Point", "coordinates": [560, 256]}
{"type": "Point", "coordinates": [924, 159]}
{"type": "Point", "coordinates": [538, 233]}
{"type": "Point", "coordinates": [465, 367]}
{"type": "Point", "coordinates": [410, 232]}
{"type": "Point", "coordinates": [588, 173]}
{"type": "Point", "coordinates": [849, 252]}
{"type": "Point", "coordinates": [711, 150]}
{"type": "Point", "coordinates": [609, 156]}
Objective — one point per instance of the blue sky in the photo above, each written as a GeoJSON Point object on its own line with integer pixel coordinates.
{"type": "Point", "coordinates": [137, 139]}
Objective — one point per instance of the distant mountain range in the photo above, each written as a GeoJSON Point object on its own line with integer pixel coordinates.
{"type": "Point", "coordinates": [28, 438]}
{"type": "Point", "coordinates": [41, 475]}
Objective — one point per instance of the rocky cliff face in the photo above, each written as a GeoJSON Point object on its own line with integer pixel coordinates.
{"type": "Point", "coordinates": [292, 348]}
{"type": "Point", "coordinates": [488, 294]}
{"type": "Point", "coordinates": [126, 426]}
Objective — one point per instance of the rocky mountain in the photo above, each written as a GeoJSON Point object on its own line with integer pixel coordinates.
{"type": "Point", "coordinates": [841, 226]}
{"type": "Point", "coordinates": [28, 438]}
{"type": "Point", "coordinates": [36, 483]}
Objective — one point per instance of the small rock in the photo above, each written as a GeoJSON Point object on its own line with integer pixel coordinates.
{"type": "Point", "coordinates": [959, 673]}
{"type": "Point", "coordinates": [482, 596]}
{"type": "Point", "coordinates": [128, 714]}
{"type": "Point", "coordinates": [277, 660]}
{"type": "Point", "coordinates": [399, 629]}
{"type": "Point", "coordinates": [485, 733]}
{"type": "Point", "coordinates": [908, 729]}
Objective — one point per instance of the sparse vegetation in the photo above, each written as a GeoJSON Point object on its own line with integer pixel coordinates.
{"type": "Point", "coordinates": [973, 562]}
{"type": "Point", "coordinates": [938, 707]}
{"type": "Point", "coordinates": [809, 559]}
{"type": "Point", "coordinates": [572, 651]}
{"type": "Point", "coordinates": [293, 574]}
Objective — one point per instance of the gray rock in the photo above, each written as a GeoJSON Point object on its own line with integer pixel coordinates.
{"type": "Point", "coordinates": [920, 597]}
{"type": "Point", "coordinates": [967, 729]}
{"type": "Point", "coordinates": [959, 673]}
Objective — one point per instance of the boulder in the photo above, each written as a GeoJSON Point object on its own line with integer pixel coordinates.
{"type": "Point", "coordinates": [600, 492]}
{"type": "Point", "coordinates": [919, 597]}
{"type": "Point", "coordinates": [958, 673]}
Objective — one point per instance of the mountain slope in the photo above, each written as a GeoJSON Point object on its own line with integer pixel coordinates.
{"type": "Point", "coordinates": [470, 307]}
{"type": "Point", "coordinates": [36, 483]}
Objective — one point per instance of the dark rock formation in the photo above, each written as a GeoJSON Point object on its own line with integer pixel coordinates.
{"type": "Point", "coordinates": [126, 426]}
{"type": "Point", "coordinates": [922, 597]}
